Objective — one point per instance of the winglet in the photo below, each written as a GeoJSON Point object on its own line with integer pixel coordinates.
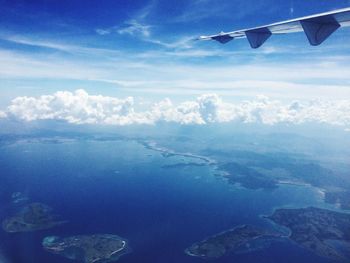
{"type": "Point", "coordinates": [318, 29]}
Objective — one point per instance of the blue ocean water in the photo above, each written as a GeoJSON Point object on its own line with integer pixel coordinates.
{"type": "Point", "coordinates": [120, 187]}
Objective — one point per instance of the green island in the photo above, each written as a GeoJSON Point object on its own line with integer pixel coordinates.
{"type": "Point", "coordinates": [32, 217]}
{"type": "Point", "coordinates": [314, 228]}
{"type": "Point", "coordinates": [88, 248]}
{"type": "Point", "coordinates": [218, 245]}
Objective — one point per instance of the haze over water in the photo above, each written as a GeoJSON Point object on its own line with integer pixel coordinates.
{"type": "Point", "coordinates": [160, 203]}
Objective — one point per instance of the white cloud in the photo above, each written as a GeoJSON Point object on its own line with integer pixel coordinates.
{"type": "Point", "coordinates": [78, 107]}
{"type": "Point", "coordinates": [2, 115]}
{"type": "Point", "coordinates": [180, 43]}
{"type": "Point", "coordinates": [142, 73]}
{"type": "Point", "coordinates": [81, 108]}
{"type": "Point", "coordinates": [142, 32]}
{"type": "Point", "coordinates": [69, 48]}
{"type": "Point", "coordinates": [135, 28]}
{"type": "Point", "coordinates": [138, 27]}
{"type": "Point", "coordinates": [208, 9]}
{"type": "Point", "coordinates": [102, 32]}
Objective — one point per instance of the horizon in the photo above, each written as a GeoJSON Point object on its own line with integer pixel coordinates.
{"type": "Point", "coordinates": [123, 138]}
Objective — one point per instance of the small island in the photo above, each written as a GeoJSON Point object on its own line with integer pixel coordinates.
{"type": "Point", "coordinates": [218, 245]}
{"type": "Point", "coordinates": [314, 228]}
{"type": "Point", "coordinates": [88, 248]}
{"type": "Point", "coordinates": [32, 217]}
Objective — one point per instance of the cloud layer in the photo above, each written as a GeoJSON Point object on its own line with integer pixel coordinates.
{"type": "Point", "coordinates": [79, 107]}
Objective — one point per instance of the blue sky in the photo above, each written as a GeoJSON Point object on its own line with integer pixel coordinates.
{"type": "Point", "coordinates": [145, 49]}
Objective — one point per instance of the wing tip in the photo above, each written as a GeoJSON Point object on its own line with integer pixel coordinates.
{"type": "Point", "coordinates": [203, 38]}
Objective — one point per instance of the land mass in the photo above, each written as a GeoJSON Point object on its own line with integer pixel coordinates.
{"type": "Point", "coordinates": [88, 248]}
{"type": "Point", "coordinates": [151, 145]}
{"type": "Point", "coordinates": [248, 177]}
{"type": "Point", "coordinates": [340, 198]}
{"type": "Point", "coordinates": [313, 228]}
{"type": "Point", "coordinates": [33, 217]}
{"type": "Point", "coordinates": [218, 245]}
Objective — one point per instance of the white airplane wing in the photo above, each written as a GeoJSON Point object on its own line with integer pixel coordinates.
{"type": "Point", "coordinates": [316, 27]}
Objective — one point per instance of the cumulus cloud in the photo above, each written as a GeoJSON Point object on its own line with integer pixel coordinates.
{"type": "Point", "coordinates": [79, 107]}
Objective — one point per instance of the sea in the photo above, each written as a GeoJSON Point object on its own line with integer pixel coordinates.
{"type": "Point", "coordinates": [119, 186]}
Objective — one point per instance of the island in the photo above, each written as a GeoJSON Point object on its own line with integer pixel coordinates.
{"type": "Point", "coordinates": [340, 198]}
{"type": "Point", "coordinates": [247, 177]}
{"type": "Point", "coordinates": [229, 241]}
{"type": "Point", "coordinates": [88, 248]}
{"type": "Point", "coordinates": [315, 229]}
{"type": "Point", "coordinates": [32, 217]}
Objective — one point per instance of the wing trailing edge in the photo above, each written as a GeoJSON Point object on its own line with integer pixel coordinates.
{"type": "Point", "coordinates": [317, 29]}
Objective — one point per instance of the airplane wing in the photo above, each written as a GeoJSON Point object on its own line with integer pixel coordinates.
{"type": "Point", "coordinates": [316, 27]}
